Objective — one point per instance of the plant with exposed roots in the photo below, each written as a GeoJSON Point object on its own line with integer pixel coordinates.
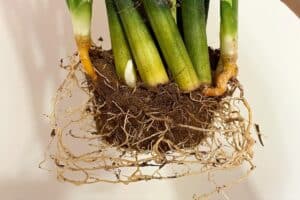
{"type": "Point", "coordinates": [160, 105]}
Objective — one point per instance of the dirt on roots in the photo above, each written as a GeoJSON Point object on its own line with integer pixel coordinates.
{"type": "Point", "coordinates": [117, 134]}
{"type": "Point", "coordinates": [144, 118]}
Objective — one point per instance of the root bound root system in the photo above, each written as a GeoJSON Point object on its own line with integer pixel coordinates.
{"type": "Point", "coordinates": [107, 132]}
{"type": "Point", "coordinates": [146, 119]}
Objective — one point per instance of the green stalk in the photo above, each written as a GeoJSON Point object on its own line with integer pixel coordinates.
{"type": "Point", "coordinates": [171, 44]}
{"type": "Point", "coordinates": [81, 14]}
{"type": "Point", "coordinates": [194, 29]}
{"type": "Point", "coordinates": [122, 56]}
{"type": "Point", "coordinates": [145, 53]}
{"type": "Point", "coordinates": [227, 69]}
{"type": "Point", "coordinates": [229, 29]}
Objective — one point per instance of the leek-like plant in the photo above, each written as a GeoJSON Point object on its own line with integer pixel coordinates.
{"type": "Point", "coordinates": [227, 68]}
{"type": "Point", "coordinates": [171, 44]}
{"type": "Point", "coordinates": [124, 64]}
{"type": "Point", "coordinates": [194, 29]}
{"type": "Point", "coordinates": [81, 14]}
{"type": "Point", "coordinates": [146, 55]}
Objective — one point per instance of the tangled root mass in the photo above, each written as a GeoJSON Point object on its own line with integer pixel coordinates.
{"type": "Point", "coordinates": [146, 118]}
{"type": "Point", "coordinates": [111, 133]}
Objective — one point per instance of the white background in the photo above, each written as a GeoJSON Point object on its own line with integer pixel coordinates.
{"type": "Point", "coordinates": [35, 34]}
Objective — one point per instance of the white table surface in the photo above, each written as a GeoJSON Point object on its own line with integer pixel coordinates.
{"type": "Point", "coordinates": [35, 34]}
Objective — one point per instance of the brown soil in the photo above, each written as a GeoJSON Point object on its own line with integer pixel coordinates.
{"type": "Point", "coordinates": [143, 118]}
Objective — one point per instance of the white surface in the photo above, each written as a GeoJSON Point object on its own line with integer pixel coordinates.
{"type": "Point", "coordinates": [35, 34]}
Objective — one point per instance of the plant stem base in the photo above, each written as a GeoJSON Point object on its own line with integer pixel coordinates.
{"type": "Point", "coordinates": [222, 79]}
{"type": "Point", "coordinates": [83, 45]}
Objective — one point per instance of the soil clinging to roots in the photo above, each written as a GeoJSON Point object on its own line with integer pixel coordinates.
{"type": "Point", "coordinates": [107, 132]}
{"type": "Point", "coordinates": [143, 118]}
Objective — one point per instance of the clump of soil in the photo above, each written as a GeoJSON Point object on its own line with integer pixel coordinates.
{"type": "Point", "coordinates": [142, 118]}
